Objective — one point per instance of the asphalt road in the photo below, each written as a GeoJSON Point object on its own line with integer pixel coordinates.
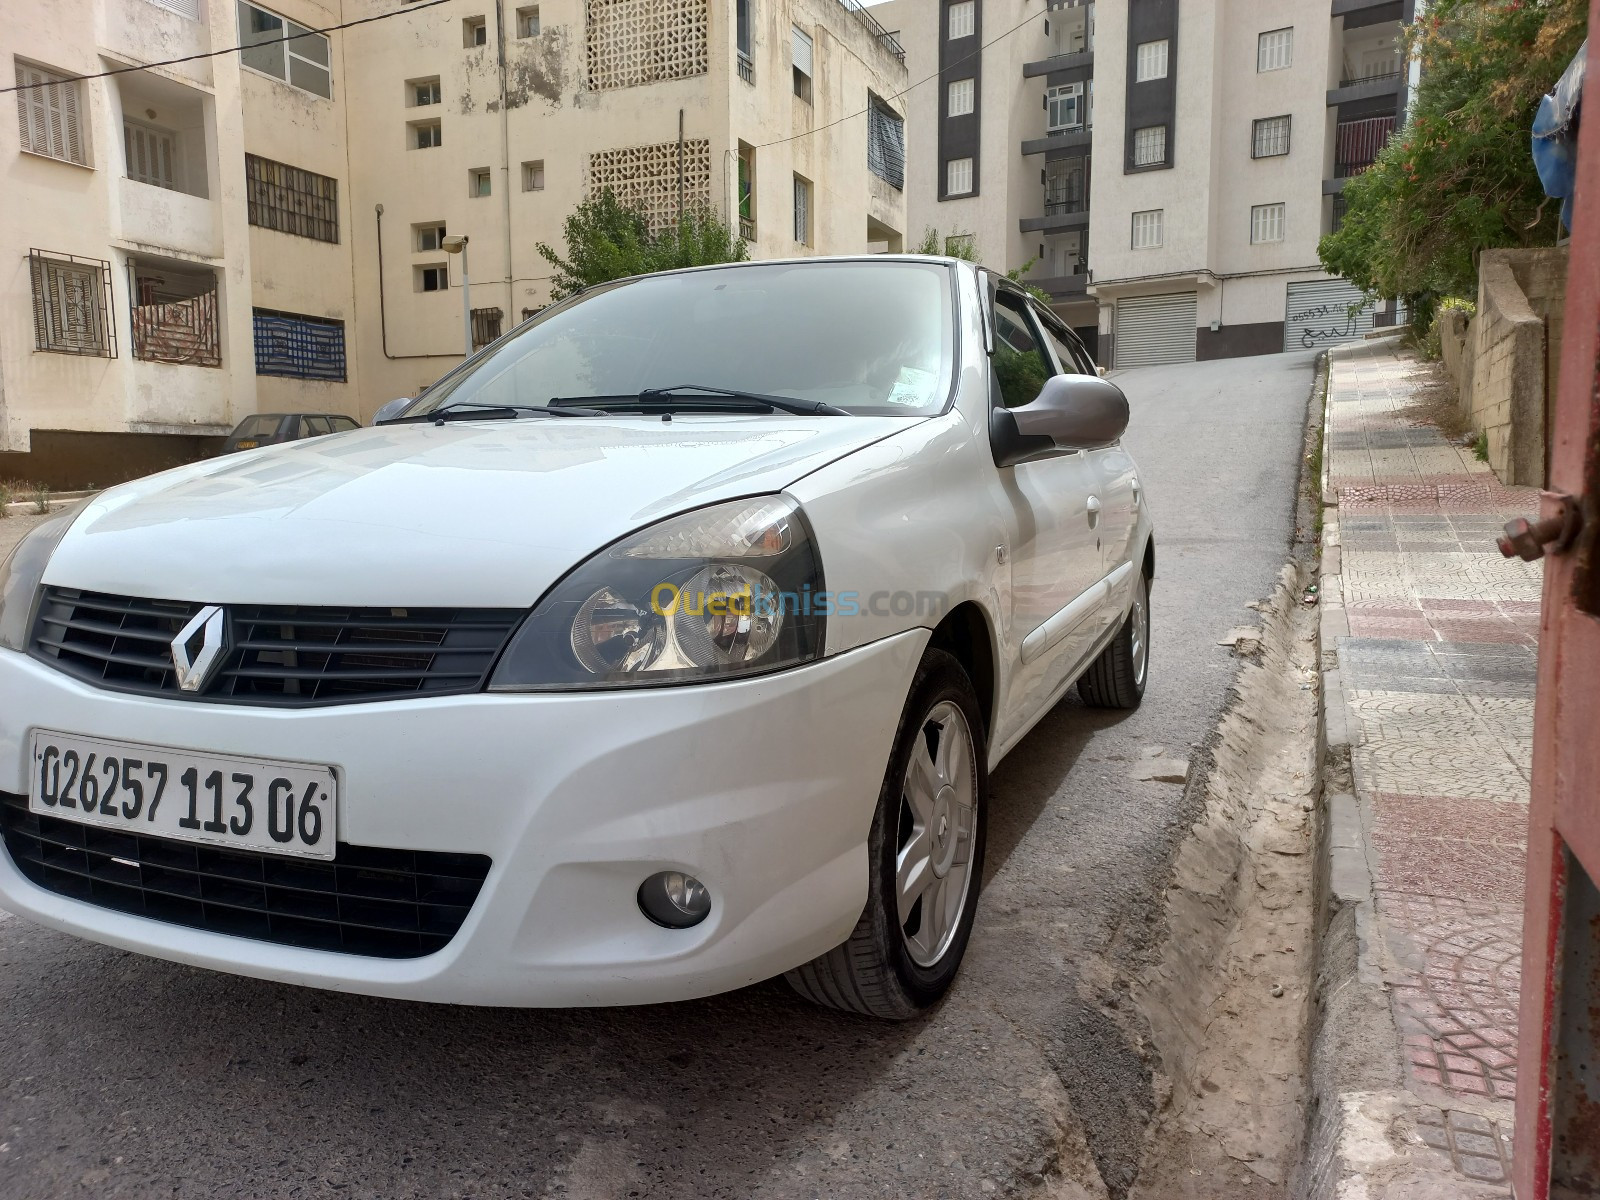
{"type": "Point", "coordinates": [121, 1076]}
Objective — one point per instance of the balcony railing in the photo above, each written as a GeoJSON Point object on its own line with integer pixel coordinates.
{"type": "Point", "coordinates": [1351, 81]}
{"type": "Point", "coordinates": [747, 68]}
{"type": "Point", "coordinates": [1357, 144]}
{"type": "Point", "coordinates": [1060, 201]}
{"type": "Point", "coordinates": [747, 228]}
{"type": "Point", "coordinates": [884, 38]}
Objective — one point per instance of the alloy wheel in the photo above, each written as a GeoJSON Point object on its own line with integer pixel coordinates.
{"type": "Point", "coordinates": [938, 816]}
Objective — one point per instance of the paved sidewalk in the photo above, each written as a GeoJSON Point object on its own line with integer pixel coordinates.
{"type": "Point", "coordinates": [1437, 644]}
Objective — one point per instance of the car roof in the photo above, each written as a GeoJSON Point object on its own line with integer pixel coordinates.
{"type": "Point", "coordinates": [937, 259]}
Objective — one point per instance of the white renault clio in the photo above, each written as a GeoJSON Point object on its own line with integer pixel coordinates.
{"type": "Point", "coordinates": [664, 646]}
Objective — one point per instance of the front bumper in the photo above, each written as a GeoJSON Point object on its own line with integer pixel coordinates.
{"type": "Point", "coordinates": [763, 788]}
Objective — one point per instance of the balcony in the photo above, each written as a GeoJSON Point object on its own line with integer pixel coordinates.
{"type": "Point", "coordinates": [1065, 208]}
{"type": "Point", "coordinates": [1074, 137]}
{"type": "Point", "coordinates": [1079, 59]}
{"type": "Point", "coordinates": [1370, 88]}
{"type": "Point", "coordinates": [1357, 143]}
{"type": "Point", "coordinates": [1061, 287]}
{"type": "Point", "coordinates": [1369, 9]}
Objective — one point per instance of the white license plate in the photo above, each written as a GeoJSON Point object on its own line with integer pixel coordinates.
{"type": "Point", "coordinates": [219, 799]}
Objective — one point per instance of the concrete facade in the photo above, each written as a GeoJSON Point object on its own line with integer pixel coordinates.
{"type": "Point", "coordinates": [158, 280]}
{"type": "Point", "coordinates": [1335, 76]}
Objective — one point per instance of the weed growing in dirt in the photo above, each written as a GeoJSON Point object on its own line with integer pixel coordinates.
{"type": "Point", "coordinates": [41, 501]}
{"type": "Point", "coordinates": [5, 500]}
{"type": "Point", "coordinates": [1480, 448]}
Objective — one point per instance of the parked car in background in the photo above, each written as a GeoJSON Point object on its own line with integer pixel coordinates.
{"type": "Point", "coordinates": [268, 429]}
{"type": "Point", "coordinates": [662, 647]}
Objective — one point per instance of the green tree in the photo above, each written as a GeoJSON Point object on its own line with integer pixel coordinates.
{"type": "Point", "coordinates": [1459, 178]}
{"type": "Point", "coordinates": [966, 249]}
{"type": "Point", "coordinates": [606, 239]}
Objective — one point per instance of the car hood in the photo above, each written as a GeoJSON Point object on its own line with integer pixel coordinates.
{"type": "Point", "coordinates": [464, 514]}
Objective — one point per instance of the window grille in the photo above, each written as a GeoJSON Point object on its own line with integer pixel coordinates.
{"type": "Point", "coordinates": [485, 326]}
{"type": "Point", "coordinates": [802, 211]}
{"type": "Point", "coordinates": [49, 108]}
{"type": "Point", "coordinates": [178, 331]}
{"type": "Point", "coordinates": [1150, 146]}
{"type": "Point", "coordinates": [291, 200]}
{"type": "Point", "coordinates": [886, 142]}
{"type": "Point", "coordinates": [299, 347]}
{"type": "Point", "coordinates": [630, 42]}
{"type": "Point", "coordinates": [1270, 137]}
{"type": "Point", "coordinates": [72, 304]}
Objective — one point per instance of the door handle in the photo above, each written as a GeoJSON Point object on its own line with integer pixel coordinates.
{"type": "Point", "coordinates": [1094, 510]}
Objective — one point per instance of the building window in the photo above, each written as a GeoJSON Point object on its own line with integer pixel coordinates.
{"type": "Point", "coordinates": [290, 200]}
{"type": "Point", "coordinates": [958, 177]}
{"type": "Point", "coordinates": [1064, 106]}
{"type": "Point", "coordinates": [285, 50]}
{"type": "Point", "coordinates": [963, 19]}
{"type": "Point", "coordinates": [528, 22]}
{"type": "Point", "coordinates": [426, 134]}
{"type": "Point", "coordinates": [1150, 61]}
{"type": "Point", "coordinates": [961, 245]}
{"type": "Point", "coordinates": [174, 316]}
{"type": "Point", "coordinates": [1147, 228]}
{"type": "Point", "coordinates": [151, 154]}
{"type": "Point", "coordinates": [48, 112]}
{"type": "Point", "coordinates": [479, 182]}
{"type": "Point", "coordinates": [428, 237]}
{"type": "Point", "coordinates": [962, 98]}
{"type": "Point", "coordinates": [485, 326]}
{"type": "Point", "coordinates": [1150, 146]}
{"type": "Point", "coordinates": [886, 142]}
{"type": "Point", "coordinates": [1275, 50]}
{"type": "Point", "coordinates": [533, 176]}
{"type": "Point", "coordinates": [474, 32]}
{"type": "Point", "coordinates": [71, 303]}
{"type": "Point", "coordinates": [747, 191]}
{"type": "Point", "coordinates": [742, 20]}
{"type": "Point", "coordinates": [299, 347]}
{"type": "Point", "coordinates": [1269, 137]}
{"type": "Point", "coordinates": [802, 65]}
{"type": "Point", "coordinates": [802, 211]}
{"type": "Point", "coordinates": [424, 92]}
{"type": "Point", "coordinates": [1266, 223]}
{"type": "Point", "coordinates": [433, 278]}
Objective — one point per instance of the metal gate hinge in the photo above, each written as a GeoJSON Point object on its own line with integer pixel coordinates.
{"type": "Point", "coordinates": [1532, 540]}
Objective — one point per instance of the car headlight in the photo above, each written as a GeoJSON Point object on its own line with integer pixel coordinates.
{"type": "Point", "coordinates": [717, 593]}
{"type": "Point", "coordinates": [23, 572]}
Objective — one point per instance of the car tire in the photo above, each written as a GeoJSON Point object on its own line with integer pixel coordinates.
{"type": "Point", "coordinates": [1117, 677]}
{"type": "Point", "coordinates": [891, 967]}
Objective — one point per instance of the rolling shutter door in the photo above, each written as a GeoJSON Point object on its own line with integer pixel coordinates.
{"type": "Point", "coordinates": [1152, 330]}
{"type": "Point", "coordinates": [1318, 314]}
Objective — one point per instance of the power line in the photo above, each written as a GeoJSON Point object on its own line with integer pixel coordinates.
{"type": "Point", "coordinates": [172, 62]}
{"type": "Point", "coordinates": [926, 78]}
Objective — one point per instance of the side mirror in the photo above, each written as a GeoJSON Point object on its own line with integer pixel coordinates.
{"type": "Point", "coordinates": [1071, 412]}
{"type": "Point", "coordinates": [392, 410]}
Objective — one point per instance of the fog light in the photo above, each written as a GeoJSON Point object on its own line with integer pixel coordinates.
{"type": "Point", "coordinates": [674, 899]}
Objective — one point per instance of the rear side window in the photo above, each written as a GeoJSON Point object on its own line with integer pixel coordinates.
{"type": "Point", "coordinates": [315, 426]}
{"type": "Point", "coordinates": [258, 428]}
{"type": "Point", "coordinates": [1070, 353]}
{"type": "Point", "coordinates": [1019, 364]}
{"type": "Point", "coordinates": [343, 424]}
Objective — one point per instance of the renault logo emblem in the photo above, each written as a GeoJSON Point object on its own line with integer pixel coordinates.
{"type": "Point", "coordinates": [199, 648]}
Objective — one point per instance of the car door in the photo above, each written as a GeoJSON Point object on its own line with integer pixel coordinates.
{"type": "Point", "coordinates": [1114, 483]}
{"type": "Point", "coordinates": [1055, 565]}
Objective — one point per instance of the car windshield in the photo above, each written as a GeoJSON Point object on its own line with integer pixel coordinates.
{"type": "Point", "coordinates": [871, 338]}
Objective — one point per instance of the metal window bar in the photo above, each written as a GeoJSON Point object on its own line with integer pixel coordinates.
{"type": "Point", "coordinates": [299, 347]}
{"type": "Point", "coordinates": [747, 68]}
{"type": "Point", "coordinates": [1357, 143]}
{"type": "Point", "coordinates": [72, 304]}
{"type": "Point", "coordinates": [1271, 137]}
{"type": "Point", "coordinates": [485, 326]}
{"type": "Point", "coordinates": [291, 200]}
{"type": "Point", "coordinates": [178, 331]}
{"type": "Point", "coordinates": [1352, 80]}
{"type": "Point", "coordinates": [1340, 205]}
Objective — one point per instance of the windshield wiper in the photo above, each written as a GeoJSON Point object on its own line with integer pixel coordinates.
{"type": "Point", "coordinates": [708, 399]}
{"type": "Point", "coordinates": [469, 411]}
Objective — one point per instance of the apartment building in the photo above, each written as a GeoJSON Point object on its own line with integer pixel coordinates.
{"type": "Point", "coordinates": [1166, 169]}
{"type": "Point", "coordinates": [265, 230]}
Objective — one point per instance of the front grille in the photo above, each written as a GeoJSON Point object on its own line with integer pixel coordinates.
{"type": "Point", "coordinates": [282, 655]}
{"type": "Point", "coordinates": [379, 903]}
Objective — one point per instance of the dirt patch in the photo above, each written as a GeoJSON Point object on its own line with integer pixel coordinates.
{"type": "Point", "coordinates": [1435, 403]}
{"type": "Point", "coordinates": [1229, 1000]}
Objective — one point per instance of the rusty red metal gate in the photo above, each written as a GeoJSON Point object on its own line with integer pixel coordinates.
{"type": "Point", "coordinates": [1557, 1152]}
